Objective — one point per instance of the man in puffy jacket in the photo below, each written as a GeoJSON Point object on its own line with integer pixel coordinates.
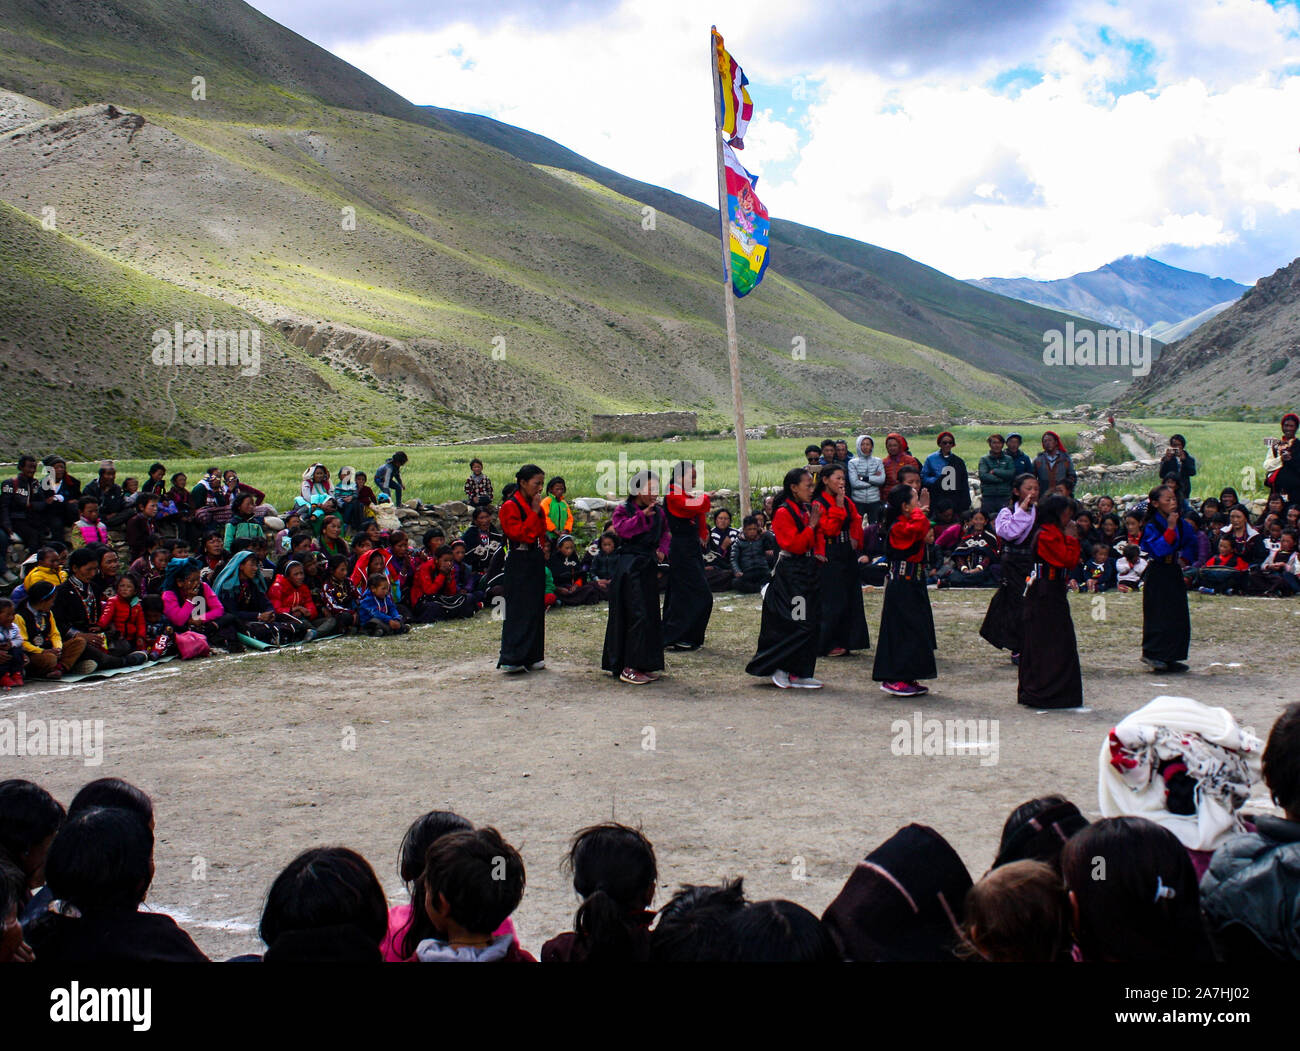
{"type": "Point", "coordinates": [1251, 892]}
{"type": "Point", "coordinates": [866, 476]}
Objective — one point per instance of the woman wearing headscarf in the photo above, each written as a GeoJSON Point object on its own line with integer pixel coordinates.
{"type": "Point", "coordinates": [1170, 541]}
{"type": "Point", "coordinates": [523, 627]}
{"type": "Point", "coordinates": [191, 605]}
{"type": "Point", "coordinates": [838, 551]}
{"type": "Point", "coordinates": [898, 456]}
{"type": "Point", "coordinates": [790, 632]}
{"type": "Point", "coordinates": [1003, 624]}
{"type": "Point", "coordinates": [634, 639]}
{"type": "Point", "coordinates": [1054, 466]}
{"type": "Point", "coordinates": [688, 600]}
{"type": "Point", "coordinates": [241, 588]}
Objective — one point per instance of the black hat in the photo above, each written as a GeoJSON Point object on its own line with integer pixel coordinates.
{"type": "Point", "coordinates": [39, 591]}
{"type": "Point", "coordinates": [903, 902]}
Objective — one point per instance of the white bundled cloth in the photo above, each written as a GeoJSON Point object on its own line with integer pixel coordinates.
{"type": "Point", "coordinates": [1222, 757]}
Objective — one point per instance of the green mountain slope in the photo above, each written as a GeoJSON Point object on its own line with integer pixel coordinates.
{"type": "Point", "coordinates": [476, 291]}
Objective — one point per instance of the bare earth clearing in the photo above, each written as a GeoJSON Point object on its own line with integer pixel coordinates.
{"type": "Point", "coordinates": [247, 762]}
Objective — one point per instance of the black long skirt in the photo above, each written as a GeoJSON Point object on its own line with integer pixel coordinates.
{"type": "Point", "coordinates": [1003, 624]}
{"type": "Point", "coordinates": [844, 622]}
{"type": "Point", "coordinates": [1049, 654]}
{"type": "Point", "coordinates": [633, 633]}
{"type": "Point", "coordinates": [523, 631]}
{"type": "Point", "coordinates": [790, 630]}
{"type": "Point", "coordinates": [906, 642]}
{"type": "Point", "coordinates": [688, 600]}
{"type": "Point", "coordinates": [1166, 623]}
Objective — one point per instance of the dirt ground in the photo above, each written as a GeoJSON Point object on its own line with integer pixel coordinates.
{"type": "Point", "coordinates": [252, 759]}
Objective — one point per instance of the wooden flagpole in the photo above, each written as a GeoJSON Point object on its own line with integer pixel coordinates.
{"type": "Point", "coordinates": [728, 300]}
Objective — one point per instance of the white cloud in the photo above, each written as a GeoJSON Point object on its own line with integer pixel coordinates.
{"type": "Point", "coordinates": [1063, 177]}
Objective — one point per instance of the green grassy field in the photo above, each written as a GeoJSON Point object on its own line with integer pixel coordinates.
{"type": "Point", "coordinates": [437, 473]}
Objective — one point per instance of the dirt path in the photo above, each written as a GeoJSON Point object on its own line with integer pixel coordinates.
{"type": "Point", "coordinates": [252, 759]}
{"type": "Point", "coordinates": [1134, 446]}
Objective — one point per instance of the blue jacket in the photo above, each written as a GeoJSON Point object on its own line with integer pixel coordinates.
{"type": "Point", "coordinates": [1154, 543]}
{"type": "Point", "coordinates": [371, 608]}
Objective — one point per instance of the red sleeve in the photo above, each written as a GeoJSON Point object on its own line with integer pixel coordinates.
{"type": "Point", "coordinates": [909, 531]}
{"type": "Point", "coordinates": [276, 594]}
{"type": "Point", "coordinates": [1057, 549]}
{"type": "Point", "coordinates": [828, 526]}
{"type": "Point", "coordinates": [518, 527]}
{"type": "Point", "coordinates": [789, 535]}
{"type": "Point", "coordinates": [682, 505]}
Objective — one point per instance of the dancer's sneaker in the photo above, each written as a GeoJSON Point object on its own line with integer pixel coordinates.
{"type": "Point", "coordinates": [806, 683]}
{"type": "Point", "coordinates": [1176, 666]}
{"type": "Point", "coordinates": [633, 677]}
{"type": "Point", "coordinates": [782, 679]}
{"type": "Point", "coordinates": [838, 651]}
{"type": "Point", "coordinates": [918, 689]}
{"type": "Point", "coordinates": [1154, 664]}
{"type": "Point", "coordinates": [512, 669]}
{"type": "Point", "coordinates": [898, 689]}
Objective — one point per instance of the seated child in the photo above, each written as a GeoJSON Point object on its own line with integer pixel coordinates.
{"type": "Point", "coordinates": [749, 565]}
{"type": "Point", "coordinates": [600, 566]}
{"type": "Point", "coordinates": [1129, 568]}
{"type": "Point", "coordinates": [1097, 570]}
{"type": "Point", "coordinates": [549, 597]}
{"type": "Point", "coordinates": [12, 659]}
{"type": "Point", "coordinates": [291, 599]}
{"type": "Point", "coordinates": [49, 655]}
{"type": "Point", "coordinates": [1277, 568]}
{"type": "Point", "coordinates": [48, 567]}
{"type": "Point", "coordinates": [345, 498]}
{"type": "Point", "coordinates": [566, 571]}
{"type": "Point", "coordinates": [149, 570]}
{"type": "Point", "coordinates": [615, 874]}
{"type": "Point", "coordinates": [435, 594]}
{"type": "Point", "coordinates": [478, 486]}
{"type": "Point", "coordinates": [158, 630]}
{"type": "Point", "coordinates": [408, 925]}
{"type": "Point", "coordinates": [339, 595]}
{"type": "Point", "coordinates": [718, 570]}
{"type": "Point", "coordinates": [88, 529]}
{"type": "Point", "coordinates": [377, 611]}
{"type": "Point", "coordinates": [366, 498]}
{"type": "Point", "coordinates": [1225, 573]}
{"type": "Point", "coordinates": [122, 620]}
{"type": "Point", "coordinates": [473, 882]}
{"type": "Point", "coordinates": [971, 563]}
{"type": "Point", "coordinates": [466, 579]}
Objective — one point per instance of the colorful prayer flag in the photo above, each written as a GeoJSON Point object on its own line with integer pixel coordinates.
{"type": "Point", "coordinates": [749, 226]}
{"type": "Point", "coordinates": [736, 106]}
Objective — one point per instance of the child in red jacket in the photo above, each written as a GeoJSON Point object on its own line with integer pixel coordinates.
{"type": "Point", "coordinates": [290, 597]}
{"type": "Point", "coordinates": [122, 621]}
{"type": "Point", "coordinates": [434, 593]}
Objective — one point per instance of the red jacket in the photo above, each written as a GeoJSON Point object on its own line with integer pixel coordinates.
{"type": "Point", "coordinates": [428, 581]}
{"type": "Point", "coordinates": [1057, 549]}
{"type": "Point", "coordinates": [792, 529]}
{"type": "Point", "coordinates": [284, 596]}
{"type": "Point", "coordinates": [124, 619]}
{"type": "Point", "coordinates": [681, 505]}
{"type": "Point", "coordinates": [520, 522]}
{"type": "Point", "coordinates": [908, 531]}
{"type": "Point", "coordinates": [832, 523]}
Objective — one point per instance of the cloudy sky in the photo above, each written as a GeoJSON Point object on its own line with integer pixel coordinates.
{"type": "Point", "coordinates": [999, 138]}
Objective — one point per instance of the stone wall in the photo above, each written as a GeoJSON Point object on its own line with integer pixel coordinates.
{"type": "Point", "coordinates": [645, 424]}
{"type": "Point", "coordinates": [882, 421]}
{"type": "Point", "coordinates": [824, 429]}
{"type": "Point", "coordinates": [567, 434]}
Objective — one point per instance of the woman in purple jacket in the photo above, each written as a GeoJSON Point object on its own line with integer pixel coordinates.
{"type": "Point", "coordinates": [634, 639]}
